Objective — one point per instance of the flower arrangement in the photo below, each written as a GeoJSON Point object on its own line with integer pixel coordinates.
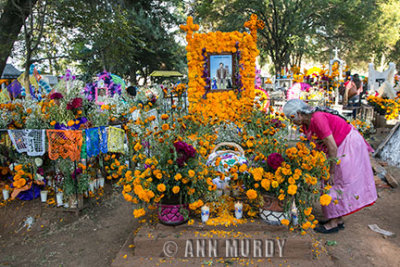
{"type": "Point", "coordinates": [388, 107]}
{"type": "Point", "coordinates": [293, 175]}
{"type": "Point", "coordinates": [23, 175]}
{"type": "Point", "coordinates": [365, 128]}
{"type": "Point", "coordinates": [225, 104]}
{"type": "Point", "coordinates": [168, 166]}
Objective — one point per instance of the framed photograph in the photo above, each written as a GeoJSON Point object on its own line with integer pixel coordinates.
{"type": "Point", "coordinates": [101, 94]}
{"type": "Point", "coordinates": [221, 70]}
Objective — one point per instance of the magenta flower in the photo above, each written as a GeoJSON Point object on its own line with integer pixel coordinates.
{"type": "Point", "coordinates": [74, 103]}
{"type": "Point", "coordinates": [56, 95]}
{"type": "Point", "coordinates": [275, 160]}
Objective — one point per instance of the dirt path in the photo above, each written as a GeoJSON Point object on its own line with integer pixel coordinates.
{"type": "Point", "coordinates": [63, 239]}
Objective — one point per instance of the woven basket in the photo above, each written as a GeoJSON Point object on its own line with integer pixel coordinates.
{"type": "Point", "coordinates": [214, 153]}
{"type": "Point", "coordinates": [229, 157]}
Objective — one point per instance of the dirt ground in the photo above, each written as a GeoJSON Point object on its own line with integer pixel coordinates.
{"type": "Point", "coordinates": [63, 239]}
{"type": "Point", "coordinates": [95, 237]}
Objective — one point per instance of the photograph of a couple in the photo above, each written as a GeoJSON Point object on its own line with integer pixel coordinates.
{"type": "Point", "coordinates": [221, 72]}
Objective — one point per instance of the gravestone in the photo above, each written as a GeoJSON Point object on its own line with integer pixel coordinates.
{"type": "Point", "coordinates": [382, 82]}
{"type": "Point", "coordinates": [389, 150]}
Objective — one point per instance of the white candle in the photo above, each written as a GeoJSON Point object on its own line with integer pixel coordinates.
{"type": "Point", "coordinates": [238, 210]}
{"type": "Point", "coordinates": [205, 213]}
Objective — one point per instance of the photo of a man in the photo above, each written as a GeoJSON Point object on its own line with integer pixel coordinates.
{"type": "Point", "coordinates": [221, 76]}
{"type": "Point", "coordinates": [220, 72]}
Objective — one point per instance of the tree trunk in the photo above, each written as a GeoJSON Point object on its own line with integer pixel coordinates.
{"type": "Point", "coordinates": [11, 22]}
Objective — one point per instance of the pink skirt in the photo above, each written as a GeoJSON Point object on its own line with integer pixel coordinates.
{"type": "Point", "coordinates": [354, 186]}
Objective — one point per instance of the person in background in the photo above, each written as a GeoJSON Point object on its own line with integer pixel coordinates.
{"type": "Point", "coordinates": [132, 90]}
{"type": "Point", "coordinates": [351, 176]}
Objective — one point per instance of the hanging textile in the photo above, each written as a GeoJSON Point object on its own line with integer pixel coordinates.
{"type": "Point", "coordinates": [65, 144]}
{"type": "Point", "coordinates": [92, 142]}
{"type": "Point", "coordinates": [103, 139]}
{"type": "Point", "coordinates": [30, 141]}
{"type": "Point", "coordinates": [83, 149]}
{"type": "Point", "coordinates": [116, 138]}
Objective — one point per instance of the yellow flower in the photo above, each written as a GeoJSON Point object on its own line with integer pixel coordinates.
{"type": "Point", "coordinates": [275, 184]}
{"type": "Point", "coordinates": [127, 188]}
{"type": "Point", "coordinates": [71, 122]}
{"type": "Point", "coordinates": [191, 173]}
{"type": "Point", "coordinates": [325, 200]}
{"type": "Point", "coordinates": [265, 184]}
{"type": "Point", "coordinates": [176, 189]}
{"type": "Point", "coordinates": [307, 211]}
{"type": "Point", "coordinates": [161, 187]}
{"type": "Point", "coordinates": [139, 213]}
{"type": "Point", "coordinates": [178, 176]}
{"type": "Point", "coordinates": [251, 194]}
{"type": "Point", "coordinates": [165, 127]}
{"type": "Point", "coordinates": [137, 147]}
{"type": "Point", "coordinates": [285, 222]}
{"type": "Point", "coordinates": [281, 197]}
{"type": "Point", "coordinates": [292, 189]}
{"type": "Point", "coordinates": [164, 117]}
{"type": "Point", "coordinates": [243, 168]}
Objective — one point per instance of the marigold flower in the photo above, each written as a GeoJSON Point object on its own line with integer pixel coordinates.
{"type": "Point", "coordinates": [165, 127]}
{"type": "Point", "coordinates": [307, 211]}
{"type": "Point", "coordinates": [176, 189]}
{"type": "Point", "coordinates": [139, 213]}
{"type": "Point", "coordinates": [292, 189]}
{"type": "Point", "coordinates": [285, 222]}
{"type": "Point", "coordinates": [161, 187]}
{"type": "Point", "coordinates": [191, 173]}
{"type": "Point", "coordinates": [325, 200]}
{"type": "Point", "coordinates": [251, 194]}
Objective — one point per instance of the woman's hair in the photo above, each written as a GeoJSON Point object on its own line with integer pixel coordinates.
{"type": "Point", "coordinates": [356, 80]}
{"type": "Point", "coordinates": [294, 106]}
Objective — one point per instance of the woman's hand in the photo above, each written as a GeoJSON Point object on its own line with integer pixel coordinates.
{"type": "Point", "coordinates": [332, 154]}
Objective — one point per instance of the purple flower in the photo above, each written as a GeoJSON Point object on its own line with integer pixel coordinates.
{"type": "Point", "coordinates": [75, 103]}
{"type": "Point", "coordinates": [184, 151]}
{"type": "Point", "coordinates": [56, 95]}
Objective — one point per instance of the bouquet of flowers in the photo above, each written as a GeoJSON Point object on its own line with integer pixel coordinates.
{"type": "Point", "coordinates": [169, 168]}
{"type": "Point", "coordinates": [293, 175]}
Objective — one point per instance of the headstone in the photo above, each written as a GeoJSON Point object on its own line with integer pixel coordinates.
{"type": "Point", "coordinates": [381, 81]}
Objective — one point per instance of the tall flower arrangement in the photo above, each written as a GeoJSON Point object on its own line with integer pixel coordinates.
{"type": "Point", "coordinates": [228, 105]}
{"type": "Point", "coordinates": [168, 168]}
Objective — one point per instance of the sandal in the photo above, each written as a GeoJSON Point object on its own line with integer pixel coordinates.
{"type": "Point", "coordinates": [321, 229]}
{"type": "Point", "coordinates": [340, 225]}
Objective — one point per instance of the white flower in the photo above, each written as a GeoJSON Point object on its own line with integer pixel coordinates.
{"type": "Point", "coordinates": [38, 162]}
{"type": "Point", "coordinates": [12, 166]}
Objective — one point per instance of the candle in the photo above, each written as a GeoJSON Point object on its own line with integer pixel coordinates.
{"type": "Point", "coordinates": [238, 210]}
{"type": "Point", "coordinates": [205, 213]}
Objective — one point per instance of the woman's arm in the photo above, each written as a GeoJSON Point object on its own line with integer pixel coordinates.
{"type": "Point", "coordinates": [330, 143]}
